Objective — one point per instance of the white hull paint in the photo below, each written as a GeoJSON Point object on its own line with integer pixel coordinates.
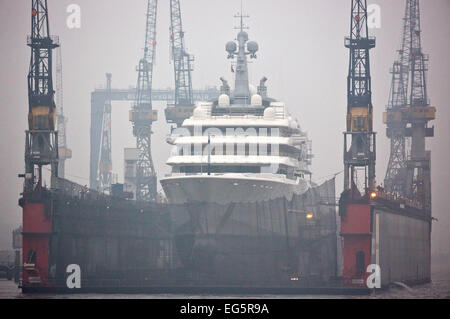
{"type": "Point", "coordinates": [226, 188]}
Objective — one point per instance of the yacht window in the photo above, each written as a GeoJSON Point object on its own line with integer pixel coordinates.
{"type": "Point", "coordinates": [220, 169]}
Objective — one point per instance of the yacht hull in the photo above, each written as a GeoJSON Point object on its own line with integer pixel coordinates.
{"type": "Point", "coordinates": [262, 237]}
{"type": "Point", "coordinates": [229, 188]}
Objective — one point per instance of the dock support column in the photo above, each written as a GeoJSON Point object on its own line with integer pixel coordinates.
{"type": "Point", "coordinates": [357, 242]}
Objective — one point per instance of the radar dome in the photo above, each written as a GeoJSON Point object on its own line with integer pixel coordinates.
{"type": "Point", "coordinates": [199, 112]}
{"type": "Point", "coordinates": [252, 89]}
{"type": "Point", "coordinates": [269, 113]}
{"type": "Point", "coordinates": [224, 100]}
{"type": "Point", "coordinates": [256, 100]}
{"type": "Point", "coordinates": [252, 47]}
{"type": "Point", "coordinates": [231, 47]}
{"type": "Point", "coordinates": [243, 35]}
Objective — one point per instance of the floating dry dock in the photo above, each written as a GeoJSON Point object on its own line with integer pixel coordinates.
{"type": "Point", "coordinates": [127, 244]}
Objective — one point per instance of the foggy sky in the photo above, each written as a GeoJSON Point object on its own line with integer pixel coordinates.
{"type": "Point", "coordinates": [301, 52]}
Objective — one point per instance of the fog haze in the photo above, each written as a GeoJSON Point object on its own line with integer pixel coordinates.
{"type": "Point", "coordinates": [301, 52]}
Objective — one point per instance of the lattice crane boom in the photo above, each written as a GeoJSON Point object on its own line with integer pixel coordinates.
{"type": "Point", "coordinates": [395, 179]}
{"type": "Point", "coordinates": [63, 151]}
{"type": "Point", "coordinates": [418, 114]}
{"type": "Point", "coordinates": [418, 61]}
{"type": "Point", "coordinates": [105, 158]}
{"type": "Point", "coordinates": [407, 117]}
{"type": "Point", "coordinates": [182, 60]}
{"type": "Point", "coordinates": [142, 115]}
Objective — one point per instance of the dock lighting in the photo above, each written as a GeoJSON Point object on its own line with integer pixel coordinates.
{"type": "Point", "coordinates": [373, 195]}
{"type": "Point", "coordinates": [309, 216]}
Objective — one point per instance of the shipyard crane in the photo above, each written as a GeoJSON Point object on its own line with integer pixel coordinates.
{"type": "Point", "coordinates": [182, 63]}
{"type": "Point", "coordinates": [105, 161]}
{"type": "Point", "coordinates": [359, 155]}
{"type": "Point", "coordinates": [142, 115]}
{"type": "Point", "coordinates": [63, 151]}
{"type": "Point", "coordinates": [395, 179]}
{"type": "Point", "coordinates": [182, 60]}
{"type": "Point", "coordinates": [418, 114]}
{"type": "Point", "coordinates": [41, 146]}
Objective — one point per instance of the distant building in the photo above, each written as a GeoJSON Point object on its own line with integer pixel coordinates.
{"type": "Point", "coordinates": [131, 156]}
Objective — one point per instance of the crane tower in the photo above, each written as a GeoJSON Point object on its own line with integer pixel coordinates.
{"type": "Point", "coordinates": [142, 115]}
{"type": "Point", "coordinates": [183, 66]}
{"type": "Point", "coordinates": [182, 60]}
{"type": "Point", "coordinates": [105, 160]}
{"type": "Point", "coordinates": [418, 114]}
{"type": "Point", "coordinates": [63, 151]}
{"type": "Point", "coordinates": [359, 138]}
{"type": "Point", "coordinates": [407, 117]}
{"type": "Point", "coordinates": [41, 147]}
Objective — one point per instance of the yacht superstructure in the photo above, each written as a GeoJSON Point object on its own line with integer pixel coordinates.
{"type": "Point", "coordinates": [241, 147]}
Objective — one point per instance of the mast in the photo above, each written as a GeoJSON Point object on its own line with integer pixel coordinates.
{"type": "Point", "coordinates": [241, 50]}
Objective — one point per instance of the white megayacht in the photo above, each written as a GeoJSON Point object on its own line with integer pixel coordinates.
{"type": "Point", "coordinates": [241, 147]}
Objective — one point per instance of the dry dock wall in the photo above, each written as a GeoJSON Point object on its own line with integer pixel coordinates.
{"type": "Point", "coordinates": [261, 242]}
{"type": "Point", "coordinates": [401, 246]}
{"type": "Point", "coordinates": [114, 241]}
{"type": "Point", "coordinates": [121, 243]}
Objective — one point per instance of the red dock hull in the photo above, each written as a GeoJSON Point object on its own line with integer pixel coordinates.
{"type": "Point", "coordinates": [37, 228]}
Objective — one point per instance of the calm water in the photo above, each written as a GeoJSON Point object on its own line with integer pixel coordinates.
{"type": "Point", "coordinates": [438, 288]}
